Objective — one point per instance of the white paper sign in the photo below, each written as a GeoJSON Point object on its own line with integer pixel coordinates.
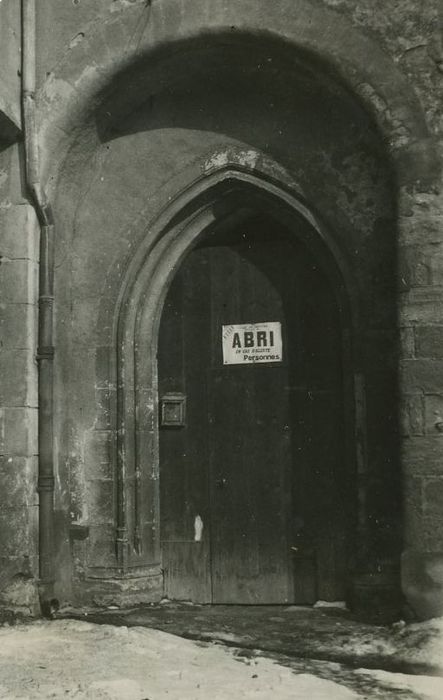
{"type": "Point", "coordinates": [249, 343]}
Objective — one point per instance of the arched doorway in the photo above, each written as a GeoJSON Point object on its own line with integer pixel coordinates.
{"type": "Point", "coordinates": [256, 487]}
{"type": "Point", "coordinates": [230, 209]}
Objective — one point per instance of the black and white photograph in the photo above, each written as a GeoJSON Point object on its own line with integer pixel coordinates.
{"type": "Point", "coordinates": [221, 349]}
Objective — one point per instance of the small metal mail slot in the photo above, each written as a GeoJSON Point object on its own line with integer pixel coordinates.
{"type": "Point", "coordinates": [173, 410]}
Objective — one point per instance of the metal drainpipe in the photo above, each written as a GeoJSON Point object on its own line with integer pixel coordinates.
{"type": "Point", "coordinates": [45, 350]}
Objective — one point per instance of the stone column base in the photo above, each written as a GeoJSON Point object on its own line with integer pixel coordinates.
{"type": "Point", "coordinates": [122, 592]}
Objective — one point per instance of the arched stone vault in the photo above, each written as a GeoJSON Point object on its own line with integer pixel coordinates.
{"type": "Point", "coordinates": [123, 44]}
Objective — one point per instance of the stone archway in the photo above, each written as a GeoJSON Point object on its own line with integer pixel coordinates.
{"type": "Point", "coordinates": [87, 81]}
{"type": "Point", "coordinates": [75, 101]}
{"type": "Point", "coordinates": [178, 230]}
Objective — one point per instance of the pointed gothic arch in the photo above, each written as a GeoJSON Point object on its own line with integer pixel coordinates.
{"type": "Point", "coordinates": [215, 198]}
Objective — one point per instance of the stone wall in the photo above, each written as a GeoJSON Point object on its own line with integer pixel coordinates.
{"type": "Point", "coordinates": [124, 127]}
{"type": "Point", "coordinates": [18, 392]}
{"type": "Point", "coordinates": [10, 38]}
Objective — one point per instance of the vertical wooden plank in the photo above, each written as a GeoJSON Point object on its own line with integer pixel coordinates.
{"type": "Point", "coordinates": [187, 571]}
{"type": "Point", "coordinates": [183, 350]}
{"type": "Point", "coordinates": [249, 502]}
{"type": "Point", "coordinates": [249, 418]}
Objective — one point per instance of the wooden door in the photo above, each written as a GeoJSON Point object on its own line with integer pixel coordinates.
{"type": "Point", "coordinates": [251, 483]}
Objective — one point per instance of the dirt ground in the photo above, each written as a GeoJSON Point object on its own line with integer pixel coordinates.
{"type": "Point", "coordinates": [68, 658]}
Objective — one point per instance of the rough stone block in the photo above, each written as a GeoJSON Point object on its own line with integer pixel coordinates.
{"type": "Point", "coordinates": [18, 326]}
{"type": "Point", "coordinates": [413, 493]}
{"type": "Point", "coordinates": [18, 370]}
{"type": "Point", "coordinates": [76, 367]}
{"type": "Point", "coordinates": [414, 267]}
{"type": "Point", "coordinates": [78, 507]}
{"type": "Point", "coordinates": [436, 265]}
{"type": "Point", "coordinates": [429, 341]}
{"type": "Point", "coordinates": [434, 415]}
{"type": "Point", "coordinates": [430, 534]}
{"type": "Point", "coordinates": [19, 536]}
{"type": "Point", "coordinates": [103, 363]}
{"type": "Point", "coordinates": [422, 375]}
{"type": "Point", "coordinates": [421, 229]}
{"type": "Point", "coordinates": [18, 584]}
{"type": "Point", "coordinates": [98, 455]}
{"type": "Point", "coordinates": [422, 581]}
{"type": "Point", "coordinates": [101, 546]}
{"type": "Point", "coordinates": [104, 407]}
{"type": "Point", "coordinates": [18, 431]}
{"type": "Point", "coordinates": [101, 501]}
{"type": "Point", "coordinates": [433, 498]}
{"type": "Point", "coordinates": [17, 567]}
{"type": "Point", "coordinates": [420, 266]}
{"type": "Point", "coordinates": [422, 455]}
{"type": "Point", "coordinates": [421, 306]}
{"type": "Point", "coordinates": [124, 592]}
{"type": "Point", "coordinates": [18, 481]}
{"type": "Point", "coordinates": [423, 532]}
{"type": "Point", "coordinates": [407, 342]}
{"type": "Point", "coordinates": [21, 594]}
{"type": "Point", "coordinates": [20, 233]}
{"type": "Point", "coordinates": [83, 315]}
{"type": "Point", "coordinates": [412, 415]}
{"type": "Point", "coordinates": [18, 282]}
{"type": "Point", "coordinates": [413, 509]}
{"type": "Point", "coordinates": [10, 42]}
